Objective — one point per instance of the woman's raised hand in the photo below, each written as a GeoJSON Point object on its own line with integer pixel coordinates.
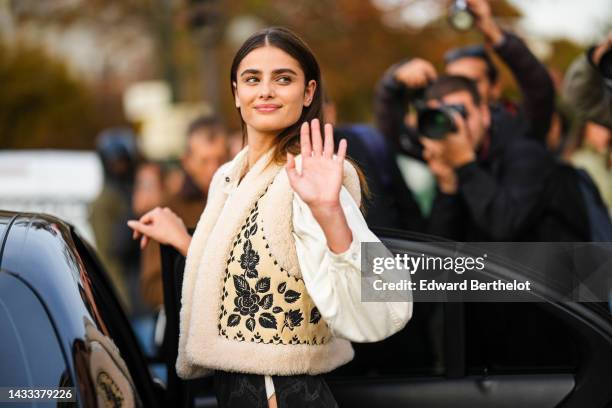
{"type": "Point", "coordinates": [163, 226]}
{"type": "Point", "coordinates": [320, 181]}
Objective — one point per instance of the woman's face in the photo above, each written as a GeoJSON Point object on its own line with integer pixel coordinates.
{"type": "Point", "coordinates": [270, 90]}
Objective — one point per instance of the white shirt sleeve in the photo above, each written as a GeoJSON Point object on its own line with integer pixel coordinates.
{"type": "Point", "coordinates": [334, 280]}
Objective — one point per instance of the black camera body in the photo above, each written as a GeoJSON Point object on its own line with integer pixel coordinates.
{"type": "Point", "coordinates": [436, 123]}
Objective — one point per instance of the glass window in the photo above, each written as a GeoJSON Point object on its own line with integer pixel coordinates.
{"type": "Point", "coordinates": [417, 350]}
{"type": "Point", "coordinates": [518, 338]}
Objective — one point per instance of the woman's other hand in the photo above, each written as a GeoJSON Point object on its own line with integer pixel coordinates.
{"type": "Point", "coordinates": [163, 226]}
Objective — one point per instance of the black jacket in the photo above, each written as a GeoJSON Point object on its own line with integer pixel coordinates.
{"type": "Point", "coordinates": [391, 203]}
{"type": "Point", "coordinates": [514, 191]}
{"type": "Point", "coordinates": [530, 119]}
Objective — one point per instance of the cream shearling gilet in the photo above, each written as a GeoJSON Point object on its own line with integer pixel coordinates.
{"type": "Point", "coordinates": [213, 321]}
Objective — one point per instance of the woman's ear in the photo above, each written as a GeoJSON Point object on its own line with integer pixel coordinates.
{"type": "Point", "coordinates": [236, 100]}
{"type": "Point", "coordinates": [309, 92]}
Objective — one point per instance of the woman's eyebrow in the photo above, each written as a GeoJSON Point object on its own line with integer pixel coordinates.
{"type": "Point", "coordinates": [250, 71]}
{"type": "Point", "coordinates": [284, 71]}
{"type": "Point", "coordinates": [275, 72]}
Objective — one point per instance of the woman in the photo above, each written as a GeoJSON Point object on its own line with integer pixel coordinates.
{"type": "Point", "coordinates": [271, 291]}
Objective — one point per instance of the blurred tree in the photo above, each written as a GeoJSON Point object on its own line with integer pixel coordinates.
{"type": "Point", "coordinates": [563, 53]}
{"type": "Point", "coordinates": [41, 105]}
{"type": "Point", "coordinates": [354, 43]}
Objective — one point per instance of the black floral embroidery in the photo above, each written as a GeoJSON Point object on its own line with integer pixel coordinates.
{"type": "Point", "coordinates": [266, 301]}
{"type": "Point", "coordinates": [241, 284]}
{"type": "Point", "coordinates": [249, 260]}
{"type": "Point", "coordinates": [267, 320]}
{"type": "Point", "coordinates": [315, 315]}
{"type": "Point", "coordinates": [293, 318]}
{"type": "Point", "coordinates": [292, 296]}
{"type": "Point", "coordinates": [233, 320]}
{"type": "Point", "coordinates": [254, 300]}
{"type": "Point", "coordinates": [247, 301]}
{"type": "Point", "coordinates": [263, 285]}
{"type": "Point", "coordinates": [247, 304]}
{"type": "Point", "coordinates": [250, 324]}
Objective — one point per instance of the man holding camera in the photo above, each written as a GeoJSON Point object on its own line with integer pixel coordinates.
{"type": "Point", "coordinates": [491, 188]}
{"type": "Point", "coordinates": [405, 80]}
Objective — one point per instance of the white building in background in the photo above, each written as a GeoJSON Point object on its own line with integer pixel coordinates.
{"type": "Point", "coordinates": [163, 123]}
{"type": "Point", "coordinates": [57, 182]}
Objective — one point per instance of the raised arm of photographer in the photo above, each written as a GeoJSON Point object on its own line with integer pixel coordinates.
{"type": "Point", "coordinates": [416, 73]}
{"type": "Point", "coordinates": [537, 88]}
{"type": "Point", "coordinates": [163, 226]}
{"type": "Point", "coordinates": [390, 97]}
{"type": "Point", "coordinates": [485, 22]}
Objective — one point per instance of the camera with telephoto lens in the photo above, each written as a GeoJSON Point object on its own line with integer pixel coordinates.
{"type": "Point", "coordinates": [605, 68]}
{"type": "Point", "coordinates": [460, 16]}
{"type": "Point", "coordinates": [436, 123]}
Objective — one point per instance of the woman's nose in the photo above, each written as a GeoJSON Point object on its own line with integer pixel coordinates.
{"type": "Point", "coordinates": [266, 90]}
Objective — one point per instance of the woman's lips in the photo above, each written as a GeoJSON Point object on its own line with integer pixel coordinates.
{"type": "Point", "coordinates": [267, 108]}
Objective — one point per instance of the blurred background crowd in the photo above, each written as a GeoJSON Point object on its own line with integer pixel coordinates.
{"type": "Point", "coordinates": [472, 120]}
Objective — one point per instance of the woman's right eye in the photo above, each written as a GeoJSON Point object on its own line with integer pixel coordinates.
{"type": "Point", "coordinates": [251, 80]}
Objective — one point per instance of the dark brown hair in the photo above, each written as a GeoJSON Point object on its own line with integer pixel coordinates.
{"type": "Point", "coordinates": [448, 84]}
{"type": "Point", "coordinates": [288, 140]}
{"type": "Point", "coordinates": [284, 39]}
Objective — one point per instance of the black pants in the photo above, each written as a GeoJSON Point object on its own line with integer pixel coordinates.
{"type": "Point", "coordinates": [238, 390]}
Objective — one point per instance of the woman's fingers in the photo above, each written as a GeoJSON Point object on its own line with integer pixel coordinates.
{"type": "Point", "coordinates": [149, 216]}
{"type": "Point", "coordinates": [291, 170]}
{"type": "Point", "coordinates": [138, 227]}
{"type": "Point", "coordinates": [328, 147]}
{"type": "Point", "coordinates": [144, 241]}
{"type": "Point", "coordinates": [342, 151]}
{"type": "Point", "coordinates": [315, 133]}
{"type": "Point", "coordinates": [305, 140]}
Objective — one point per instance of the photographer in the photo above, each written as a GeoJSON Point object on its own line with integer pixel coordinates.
{"type": "Point", "coordinates": [491, 187]}
{"type": "Point", "coordinates": [404, 81]}
{"type": "Point", "coordinates": [588, 84]}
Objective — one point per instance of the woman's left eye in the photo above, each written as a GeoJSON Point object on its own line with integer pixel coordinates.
{"type": "Point", "coordinates": [284, 80]}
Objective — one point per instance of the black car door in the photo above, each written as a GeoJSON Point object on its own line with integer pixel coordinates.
{"type": "Point", "coordinates": [529, 354]}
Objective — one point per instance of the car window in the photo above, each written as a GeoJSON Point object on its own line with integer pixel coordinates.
{"type": "Point", "coordinates": [28, 343]}
{"type": "Point", "coordinates": [518, 338]}
{"type": "Point", "coordinates": [417, 350]}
